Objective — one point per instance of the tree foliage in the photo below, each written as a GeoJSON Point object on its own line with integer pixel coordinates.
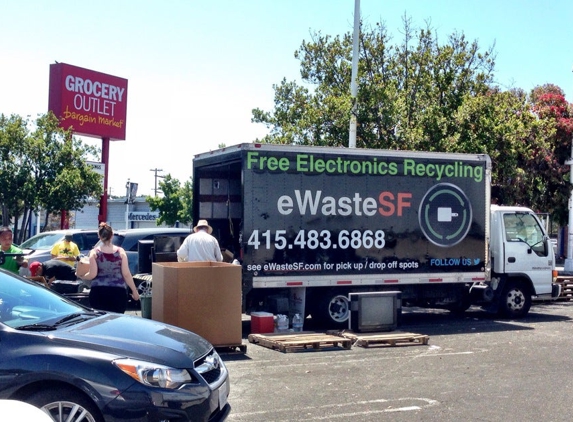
{"type": "Point", "coordinates": [427, 95]}
{"type": "Point", "coordinates": [549, 177]}
{"type": "Point", "coordinates": [175, 205]}
{"type": "Point", "coordinates": [407, 96]}
{"type": "Point", "coordinates": [13, 172]}
{"type": "Point", "coordinates": [43, 167]}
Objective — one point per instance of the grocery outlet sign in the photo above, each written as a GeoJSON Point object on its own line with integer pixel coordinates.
{"type": "Point", "coordinates": [89, 102]}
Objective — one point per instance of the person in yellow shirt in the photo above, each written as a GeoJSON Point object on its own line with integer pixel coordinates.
{"type": "Point", "coordinates": [66, 250]}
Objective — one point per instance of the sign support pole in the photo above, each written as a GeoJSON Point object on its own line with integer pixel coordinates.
{"type": "Point", "coordinates": [103, 201]}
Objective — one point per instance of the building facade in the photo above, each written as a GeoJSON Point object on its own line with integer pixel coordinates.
{"type": "Point", "coordinates": [120, 216]}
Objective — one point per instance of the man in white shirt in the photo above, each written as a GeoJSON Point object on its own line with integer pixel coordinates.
{"type": "Point", "coordinates": [200, 245]}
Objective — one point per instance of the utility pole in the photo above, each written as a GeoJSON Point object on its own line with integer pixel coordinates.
{"type": "Point", "coordinates": [127, 197]}
{"type": "Point", "coordinates": [156, 170]}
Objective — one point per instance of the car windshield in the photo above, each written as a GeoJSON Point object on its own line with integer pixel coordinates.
{"type": "Point", "coordinates": [27, 303]}
{"type": "Point", "coordinates": [43, 241]}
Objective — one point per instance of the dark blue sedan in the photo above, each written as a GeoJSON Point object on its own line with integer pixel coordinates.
{"type": "Point", "coordinates": [78, 364]}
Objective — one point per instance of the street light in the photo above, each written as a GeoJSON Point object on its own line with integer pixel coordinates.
{"type": "Point", "coordinates": [354, 76]}
{"type": "Point", "coordinates": [568, 267]}
{"type": "Point", "coordinates": [569, 260]}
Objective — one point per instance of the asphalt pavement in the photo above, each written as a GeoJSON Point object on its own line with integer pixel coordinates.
{"type": "Point", "coordinates": [475, 367]}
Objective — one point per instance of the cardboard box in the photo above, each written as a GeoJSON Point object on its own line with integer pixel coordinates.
{"type": "Point", "coordinates": [228, 256]}
{"type": "Point", "coordinates": [82, 267]}
{"type": "Point", "coordinates": [203, 297]}
{"type": "Point", "coordinates": [262, 323]}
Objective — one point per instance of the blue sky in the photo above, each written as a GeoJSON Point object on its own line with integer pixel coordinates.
{"type": "Point", "coordinates": [196, 69]}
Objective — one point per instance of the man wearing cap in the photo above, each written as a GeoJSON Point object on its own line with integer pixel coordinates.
{"type": "Point", "coordinates": [52, 269]}
{"type": "Point", "coordinates": [66, 250]}
{"type": "Point", "coordinates": [11, 263]}
{"type": "Point", "coordinates": [200, 245]}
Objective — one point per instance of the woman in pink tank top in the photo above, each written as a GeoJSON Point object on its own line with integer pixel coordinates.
{"type": "Point", "coordinates": [110, 275]}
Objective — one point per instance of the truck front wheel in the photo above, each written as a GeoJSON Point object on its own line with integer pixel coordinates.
{"type": "Point", "coordinates": [515, 300]}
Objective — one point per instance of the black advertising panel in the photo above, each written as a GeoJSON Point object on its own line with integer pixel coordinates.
{"type": "Point", "coordinates": [320, 212]}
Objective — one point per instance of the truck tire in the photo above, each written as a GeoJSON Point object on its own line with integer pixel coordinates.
{"type": "Point", "coordinates": [515, 300]}
{"type": "Point", "coordinates": [333, 309]}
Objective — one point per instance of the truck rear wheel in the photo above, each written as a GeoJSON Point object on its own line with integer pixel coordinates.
{"type": "Point", "coordinates": [515, 300]}
{"type": "Point", "coordinates": [333, 309]}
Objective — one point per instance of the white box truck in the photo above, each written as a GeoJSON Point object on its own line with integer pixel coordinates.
{"type": "Point", "coordinates": [318, 223]}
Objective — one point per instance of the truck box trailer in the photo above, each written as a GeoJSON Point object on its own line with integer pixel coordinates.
{"type": "Point", "coordinates": [324, 222]}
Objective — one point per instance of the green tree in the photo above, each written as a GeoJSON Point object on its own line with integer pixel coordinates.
{"type": "Point", "coordinates": [42, 168]}
{"type": "Point", "coordinates": [549, 180]}
{"type": "Point", "coordinates": [13, 174]}
{"type": "Point", "coordinates": [174, 206]}
{"type": "Point", "coordinates": [61, 173]}
{"type": "Point", "coordinates": [423, 94]}
{"type": "Point", "coordinates": [186, 212]}
{"type": "Point", "coordinates": [501, 125]}
{"type": "Point", "coordinates": [407, 93]}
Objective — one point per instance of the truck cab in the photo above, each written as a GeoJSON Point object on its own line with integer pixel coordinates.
{"type": "Point", "coordinates": [522, 259]}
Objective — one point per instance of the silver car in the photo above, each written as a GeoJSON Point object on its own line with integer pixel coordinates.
{"type": "Point", "coordinates": [39, 247]}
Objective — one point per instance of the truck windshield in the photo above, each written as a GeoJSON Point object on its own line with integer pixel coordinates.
{"type": "Point", "coordinates": [524, 227]}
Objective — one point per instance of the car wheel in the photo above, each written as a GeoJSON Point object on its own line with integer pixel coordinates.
{"type": "Point", "coordinates": [144, 288]}
{"type": "Point", "coordinates": [66, 405]}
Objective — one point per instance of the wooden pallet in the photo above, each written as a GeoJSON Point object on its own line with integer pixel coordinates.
{"type": "Point", "coordinates": [566, 287]}
{"type": "Point", "coordinates": [295, 342]}
{"type": "Point", "coordinates": [391, 339]}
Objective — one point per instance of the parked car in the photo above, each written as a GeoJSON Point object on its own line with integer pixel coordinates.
{"type": "Point", "coordinates": [38, 247]}
{"type": "Point", "coordinates": [76, 363]}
